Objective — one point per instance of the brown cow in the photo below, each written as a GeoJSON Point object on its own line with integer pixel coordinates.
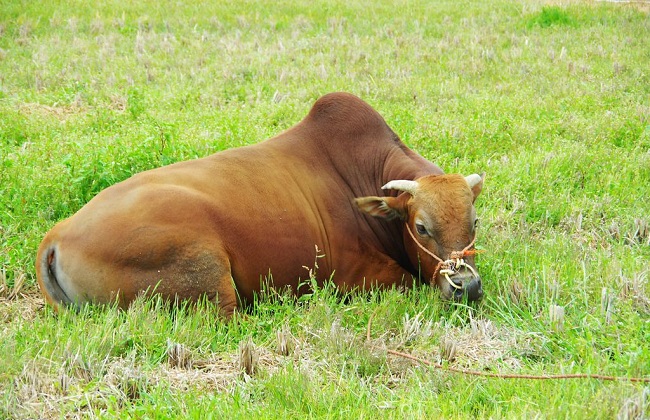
{"type": "Point", "coordinates": [222, 225]}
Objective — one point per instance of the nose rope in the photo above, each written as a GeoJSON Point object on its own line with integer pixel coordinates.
{"type": "Point", "coordinates": [451, 266]}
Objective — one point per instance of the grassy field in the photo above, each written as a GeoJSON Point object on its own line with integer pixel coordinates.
{"type": "Point", "coordinates": [552, 100]}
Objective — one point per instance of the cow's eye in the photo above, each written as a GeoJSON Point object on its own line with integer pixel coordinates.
{"type": "Point", "coordinates": [476, 223]}
{"type": "Point", "coordinates": [421, 229]}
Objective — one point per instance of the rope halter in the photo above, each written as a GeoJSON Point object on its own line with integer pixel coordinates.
{"type": "Point", "coordinates": [452, 266]}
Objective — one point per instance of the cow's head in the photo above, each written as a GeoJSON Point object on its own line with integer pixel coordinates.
{"type": "Point", "coordinates": [439, 228]}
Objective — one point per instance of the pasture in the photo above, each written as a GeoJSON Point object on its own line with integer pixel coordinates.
{"type": "Point", "coordinates": [551, 100]}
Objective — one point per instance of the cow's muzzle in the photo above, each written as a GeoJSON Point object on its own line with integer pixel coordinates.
{"type": "Point", "coordinates": [462, 279]}
{"type": "Point", "coordinates": [467, 286]}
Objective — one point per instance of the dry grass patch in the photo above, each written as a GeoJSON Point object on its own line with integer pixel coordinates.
{"type": "Point", "coordinates": [483, 345]}
{"type": "Point", "coordinates": [636, 407]}
{"type": "Point", "coordinates": [635, 289]}
{"type": "Point", "coordinates": [24, 307]}
{"type": "Point", "coordinates": [479, 345]}
{"type": "Point", "coordinates": [60, 112]}
{"type": "Point", "coordinates": [18, 302]}
{"type": "Point", "coordinates": [75, 387]}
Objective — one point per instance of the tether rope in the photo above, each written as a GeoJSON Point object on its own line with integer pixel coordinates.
{"type": "Point", "coordinates": [504, 375]}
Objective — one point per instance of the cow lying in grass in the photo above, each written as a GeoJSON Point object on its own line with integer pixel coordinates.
{"type": "Point", "coordinates": [340, 180]}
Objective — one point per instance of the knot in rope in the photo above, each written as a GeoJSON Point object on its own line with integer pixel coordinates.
{"type": "Point", "coordinates": [451, 266]}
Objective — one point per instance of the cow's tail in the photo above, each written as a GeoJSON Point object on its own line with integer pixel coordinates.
{"type": "Point", "coordinates": [49, 274]}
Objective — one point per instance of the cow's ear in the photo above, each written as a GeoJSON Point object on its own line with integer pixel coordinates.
{"type": "Point", "coordinates": [388, 208]}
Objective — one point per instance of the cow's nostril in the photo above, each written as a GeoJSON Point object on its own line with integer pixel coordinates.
{"type": "Point", "coordinates": [474, 289]}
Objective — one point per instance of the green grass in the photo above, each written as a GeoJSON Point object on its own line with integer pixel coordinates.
{"type": "Point", "coordinates": [552, 101]}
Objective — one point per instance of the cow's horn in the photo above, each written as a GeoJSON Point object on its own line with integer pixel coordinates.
{"type": "Point", "coordinates": [473, 179]}
{"type": "Point", "coordinates": [402, 185]}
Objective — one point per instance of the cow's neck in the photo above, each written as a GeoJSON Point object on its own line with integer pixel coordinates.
{"type": "Point", "coordinates": [403, 163]}
{"type": "Point", "coordinates": [400, 163]}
